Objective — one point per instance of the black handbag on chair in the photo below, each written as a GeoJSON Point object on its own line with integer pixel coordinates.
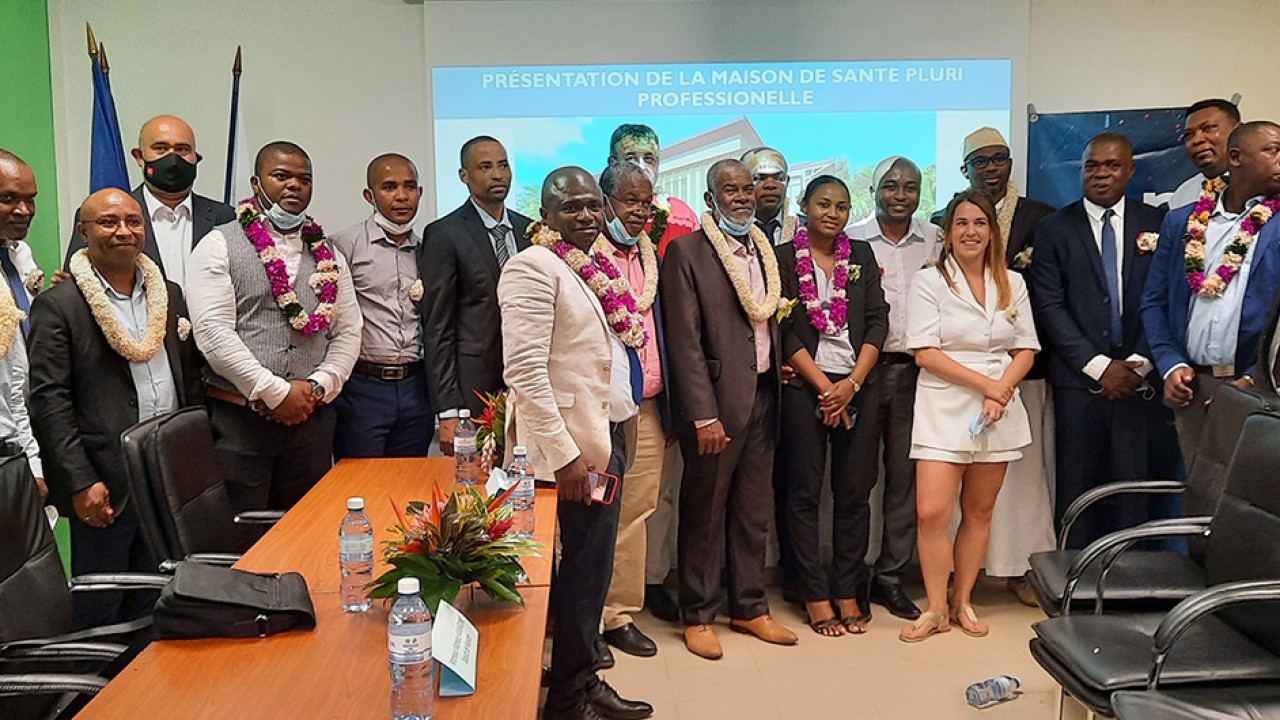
{"type": "Point", "coordinates": [209, 601]}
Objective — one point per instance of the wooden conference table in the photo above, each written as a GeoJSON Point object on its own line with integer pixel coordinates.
{"type": "Point", "coordinates": [339, 669]}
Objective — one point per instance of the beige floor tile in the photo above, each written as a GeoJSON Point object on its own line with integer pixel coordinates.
{"type": "Point", "coordinates": [727, 709]}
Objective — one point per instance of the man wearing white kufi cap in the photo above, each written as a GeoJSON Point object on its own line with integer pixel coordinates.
{"type": "Point", "coordinates": [769, 173]}
{"type": "Point", "coordinates": [902, 244]}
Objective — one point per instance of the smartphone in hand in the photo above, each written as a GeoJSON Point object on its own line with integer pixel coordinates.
{"type": "Point", "coordinates": [604, 487]}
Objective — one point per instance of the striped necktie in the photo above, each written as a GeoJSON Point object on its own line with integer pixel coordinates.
{"type": "Point", "coordinates": [499, 234]}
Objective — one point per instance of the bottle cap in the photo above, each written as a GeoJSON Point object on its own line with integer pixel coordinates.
{"type": "Point", "coordinates": [464, 413]}
{"type": "Point", "coordinates": [408, 586]}
{"type": "Point", "coordinates": [520, 450]}
{"type": "Point", "coordinates": [355, 503]}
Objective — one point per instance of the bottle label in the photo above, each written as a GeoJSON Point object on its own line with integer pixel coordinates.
{"type": "Point", "coordinates": [464, 445]}
{"type": "Point", "coordinates": [409, 643]}
{"type": "Point", "coordinates": [356, 548]}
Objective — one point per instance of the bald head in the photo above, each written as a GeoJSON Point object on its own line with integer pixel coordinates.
{"type": "Point", "coordinates": [113, 229]}
{"type": "Point", "coordinates": [572, 205]}
{"type": "Point", "coordinates": [17, 197]}
{"type": "Point", "coordinates": [393, 189]}
{"type": "Point", "coordinates": [167, 154]}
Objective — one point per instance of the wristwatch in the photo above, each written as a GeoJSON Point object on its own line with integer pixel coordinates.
{"type": "Point", "coordinates": [857, 386]}
{"type": "Point", "coordinates": [317, 390]}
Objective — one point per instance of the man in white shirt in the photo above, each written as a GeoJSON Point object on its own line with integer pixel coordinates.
{"type": "Point", "coordinates": [1204, 135]}
{"type": "Point", "coordinates": [176, 218]}
{"type": "Point", "coordinates": [273, 371]}
{"type": "Point", "coordinates": [902, 244]}
{"type": "Point", "coordinates": [1088, 276]}
{"type": "Point", "coordinates": [769, 171]}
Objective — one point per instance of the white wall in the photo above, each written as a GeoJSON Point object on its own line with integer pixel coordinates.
{"type": "Point", "coordinates": [348, 79]}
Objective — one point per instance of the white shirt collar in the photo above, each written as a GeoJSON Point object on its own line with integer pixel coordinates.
{"type": "Point", "coordinates": [1096, 211]}
{"type": "Point", "coordinates": [156, 209]}
{"type": "Point", "coordinates": [1220, 210]}
{"type": "Point", "coordinates": [487, 219]}
{"type": "Point", "coordinates": [915, 231]}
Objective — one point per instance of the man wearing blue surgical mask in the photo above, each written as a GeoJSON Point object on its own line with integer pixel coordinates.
{"type": "Point", "coordinates": [176, 217]}
{"type": "Point", "coordinates": [275, 314]}
{"type": "Point", "coordinates": [720, 294]}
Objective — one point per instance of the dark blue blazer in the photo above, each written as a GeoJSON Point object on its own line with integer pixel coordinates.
{"type": "Point", "coordinates": [1069, 290]}
{"type": "Point", "coordinates": [1167, 297]}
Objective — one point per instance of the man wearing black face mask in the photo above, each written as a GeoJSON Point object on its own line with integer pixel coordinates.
{"type": "Point", "coordinates": [176, 218]}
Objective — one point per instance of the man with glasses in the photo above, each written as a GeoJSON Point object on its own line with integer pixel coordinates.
{"type": "Point", "coordinates": [769, 173]}
{"type": "Point", "coordinates": [1022, 511]}
{"type": "Point", "coordinates": [638, 144]}
{"type": "Point", "coordinates": [1204, 136]}
{"type": "Point", "coordinates": [107, 351]}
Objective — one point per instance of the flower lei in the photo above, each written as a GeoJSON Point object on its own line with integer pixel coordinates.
{"type": "Point", "coordinates": [827, 322]}
{"type": "Point", "coordinates": [10, 317]}
{"type": "Point", "coordinates": [157, 308]}
{"type": "Point", "coordinates": [648, 262]}
{"type": "Point", "coordinates": [604, 279]}
{"type": "Point", "coordinates": [324, 281]}
{"type": "Point", "coordinates": [661, 212]}
{"type": "Point", "coordinates": [1213, 285]}
{"type": "Point", "coordinates": [759, 312]}
{"type": "Point", "coordinates": [1004, 216]}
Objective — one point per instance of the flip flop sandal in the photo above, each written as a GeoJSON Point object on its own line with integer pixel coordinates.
{"type": "Point", "coordinates": [962, 613]}
{"type": "Point", "coordinates": [854, 625]}
{"type": "Point", "coordinates": [821, 626]}
{"type": "Point", "coordinates": [940, 625]}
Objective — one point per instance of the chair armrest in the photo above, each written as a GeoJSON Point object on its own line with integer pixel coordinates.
{"type": "Point", "coordinates": [96, 582]}
{"type": "Point", "coordinates": [220, 559]}
{"type": "Point", "coordinates": [1112, 545]}
{"type": "Point", "coordinates": [1190, 611]}
{"type": "Point", "coordinates": [258, 517]}
{"type": "Point", "coordinates": [115, 630]}
{"type": "Point", "coordinates": [1122, 487]}
{"type": "Point", "coordinates": [50, 684]}
{"type": "Point", "coordinates": [64, 651]}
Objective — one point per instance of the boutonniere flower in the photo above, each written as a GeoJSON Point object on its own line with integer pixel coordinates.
{"type": "Point", "coordinates": [415, 291]}
{"type": "Point", "coordinates": [928, 263]}
{"type": "Point", "coordinates": [1022, 260]}
{"type": "Point", "coordinates": [785, 308]}
{"type": "Point", "coordinates": [1147, 242]}
{"type": "Point", "coordinates": [855, 273]}
{"type": "Point", "coordinates": [1011, 313]}
{"type": "Point", "coordinates": [184, 329]}
{"type": "Point", "coordinates": [34, 281]}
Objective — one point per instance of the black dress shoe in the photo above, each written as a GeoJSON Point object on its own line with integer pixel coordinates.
{"type": "Point", "coordinates": [659, 603]}
{"type": "Point", "coordinates": [631, 641]}
{"type": "Point", "coordinates": [582, 711]}
{"type": "Point", "coordinates": [609, 704]}
{"type": "Point", "coordinates": [892, 596]}
{"type": "Point", "coordinates": [604, 656]}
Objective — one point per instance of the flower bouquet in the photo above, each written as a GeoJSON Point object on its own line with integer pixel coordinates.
{"type": "Point", "coordinates": [491, 429]}
{"type": "Point", "coordinates": [451, 542]}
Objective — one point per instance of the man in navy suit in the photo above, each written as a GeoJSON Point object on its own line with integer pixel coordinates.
{"type": "Point", "coordinates": [176, 218]}
{"type": "Point", "coordinates": [1088, 276]}
{"type": "Point", "coordinates": [1201, 340]}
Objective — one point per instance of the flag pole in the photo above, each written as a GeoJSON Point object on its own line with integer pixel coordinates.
{"type": "Point", "coordinates": [93, 43]}
{"type": "Point", "coordinates": [236, 69]}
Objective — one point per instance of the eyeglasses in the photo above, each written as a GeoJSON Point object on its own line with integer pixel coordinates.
{"type": "Point", "coordinates": [980, 162]}
{"type": "Point", "coordinates": [109, 224]}
{"type": "Point", "coordinates": [645, 205]}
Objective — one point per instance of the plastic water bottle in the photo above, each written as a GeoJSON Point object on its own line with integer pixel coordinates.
{"type": "Point", "coordinates": [355, 556]}
{"type": "Point", "coordinates": [466, 459]}
{"type": "Point", "coordinates": [413, 690]}
{"type": "Point", "coordinates": [521, 475]}
{"type": "Point", "coordinates": [990, 692]}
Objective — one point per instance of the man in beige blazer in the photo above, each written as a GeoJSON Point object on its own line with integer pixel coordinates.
{"type": "Point", "coordinates": [574, 388]}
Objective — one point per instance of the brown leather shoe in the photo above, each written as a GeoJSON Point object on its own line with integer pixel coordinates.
{"type": "Point", "coordinates": [702, 641]}
{"type": "Point", "coordinates": [765, 628]}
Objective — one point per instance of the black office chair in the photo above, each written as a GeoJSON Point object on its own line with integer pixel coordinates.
{"type": "Point", "coordinates": [1246, 702]}
{"type": "Point", "coordinates": [178, 491]}
{"type": "Point", "coordinates": [1153, 579]}
{"type": "Point", "coordinates": [1227, 634]}
{"type": "Point", "coordinates": [44, 668]}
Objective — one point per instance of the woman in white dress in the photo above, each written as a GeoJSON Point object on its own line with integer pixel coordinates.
{"type": "Point", "coordinates": [969, 323]}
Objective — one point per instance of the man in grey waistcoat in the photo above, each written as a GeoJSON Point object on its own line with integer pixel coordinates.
{"type": "Point", "coordinates": [275, 314]}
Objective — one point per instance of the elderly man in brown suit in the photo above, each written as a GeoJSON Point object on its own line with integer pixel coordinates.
{"type": "Point", "coordinates": [720, 292]}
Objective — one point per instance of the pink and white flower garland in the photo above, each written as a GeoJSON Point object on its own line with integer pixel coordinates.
{"type": "Point", "coordinates": [604, 279]}
{"type": "Point", "coordinates": [832, 321]}
{"type": "Point", "coordinates": [1210, 285]}
{"type": "Point", "coordinates": [324, 281]}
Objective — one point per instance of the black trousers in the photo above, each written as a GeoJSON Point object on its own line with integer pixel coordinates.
{"type": "Point", "coordinates": [587, 537]}
{"type": "Point", "coordinates": [118, 547]}
{"type": "Point", "coordinates": [886, 410]}
{"type": "Point", "coordinates": [267, 465]}
{"type": "Point", "coordinates": [726, 503]}
{"type": "Point", "coordinates": [803, 444]}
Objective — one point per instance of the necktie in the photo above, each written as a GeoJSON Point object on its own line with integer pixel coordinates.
{"type": "Point", "coordinates": [499, 234]}
{"type": "Point", "coordinates": [771, 230]}
{"type": "Point", "coordinates": [1112, 275]}
{"type": "Point", "coordinates": [19, 292]}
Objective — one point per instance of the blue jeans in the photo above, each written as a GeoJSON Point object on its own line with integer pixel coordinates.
{"type": "Point", "coordinates": [383, 418]}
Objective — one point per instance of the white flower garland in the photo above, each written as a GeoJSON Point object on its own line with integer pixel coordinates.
{"type": "Point", "coordinates": [759, 312]}
{"type": "Point", "coordinates": [10, 318]}
{"type": "Point", "coordinates": [157, 308]}
{"type": "Point", "coordinates": [1004, 216]}
{"type": "Point", "coordinates": [648, 263]}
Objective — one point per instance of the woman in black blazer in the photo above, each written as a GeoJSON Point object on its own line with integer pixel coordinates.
{"type": "Point", "coordinates": [832, 337]}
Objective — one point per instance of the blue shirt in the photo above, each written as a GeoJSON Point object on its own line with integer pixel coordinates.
{"type": "Point", "coordinates": [153, 379]}
{"type": "Point", "coordinates": [1213, 324]}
